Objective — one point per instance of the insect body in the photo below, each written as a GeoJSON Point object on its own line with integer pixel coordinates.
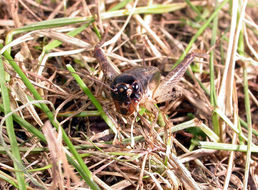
{"type": "Point", "coordinates": [138, 85]}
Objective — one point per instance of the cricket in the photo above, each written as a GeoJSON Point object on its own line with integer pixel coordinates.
{"type": "Point", "coordinates": [140, 85]}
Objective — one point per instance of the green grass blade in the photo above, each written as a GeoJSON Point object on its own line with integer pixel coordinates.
{"type": "Point", "coordinates": [249, 124]}
{"type": "Point", "coordinates": [8, 179]}
{"type": "Point", "coordinates": [58, 22]}
{"type": "Point", "coordinates": [228, 147]}
{"type": "Point", "coordinates": [55, 43]}
{"type": "Point", "coordinates": [200, 31]}
{"type": "Point", "coordinates": [227, 120]}
{"type": "Point", "coordinates": [92, 98]}
{"type": "Point", "coordinates": [195, 9]}
{"type": "Point", "coordinates": [84, 168]}
{"type": "Point", "coordinates": [120, 5]}
{"type": "Point", "coordinates": [213, 94]}
{"type": "Point", "coordinates": [244, 124]}
{"type": "Point", "coordinates": [195, 122]}
{"type": "Point", "coordinates": [15, 154]}
{"type": "Point", "coordinates": [26, 125]}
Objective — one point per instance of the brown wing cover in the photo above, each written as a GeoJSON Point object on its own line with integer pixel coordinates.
{"type": "Point", "coordinates": [149, 77]}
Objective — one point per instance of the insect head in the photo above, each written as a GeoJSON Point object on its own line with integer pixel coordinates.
{"type": "Point", "coordinates": [126, 92]}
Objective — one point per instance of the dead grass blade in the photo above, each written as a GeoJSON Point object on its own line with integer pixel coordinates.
{"type": "Point", "coordinates": [62, 173]}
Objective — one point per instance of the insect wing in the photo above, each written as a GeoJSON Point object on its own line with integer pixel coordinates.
{"type": "Point", "coordinates": [149, 77]}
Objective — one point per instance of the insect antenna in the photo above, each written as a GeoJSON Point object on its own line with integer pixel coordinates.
{"type": "Point", "coordinates": [97, 81]}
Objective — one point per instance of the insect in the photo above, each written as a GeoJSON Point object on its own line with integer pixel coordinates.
{"type": "Point", "coordinates": [140, 84]}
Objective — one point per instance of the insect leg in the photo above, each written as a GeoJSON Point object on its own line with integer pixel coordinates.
{"type": "Point", "coordinates": [109, 69]}
{"type": "Point", "coordinates": [163, 93]}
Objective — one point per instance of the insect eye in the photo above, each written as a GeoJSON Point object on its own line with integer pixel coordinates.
{"type": "Point", "coordinates": [135, 86]}
{"type": "Point", "coordinates": [126, 103]}
{"type": "Point", "coordinates": [122, 88]}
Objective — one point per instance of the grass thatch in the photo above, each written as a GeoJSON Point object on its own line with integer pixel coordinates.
{"type": "Point", "coordinates": [59, 127]}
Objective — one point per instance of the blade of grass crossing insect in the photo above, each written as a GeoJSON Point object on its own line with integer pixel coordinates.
{"type": "Point", "coordinates": [50, 115]}
{"type": "Point", "coordinates": [10, 130]}
{"type": "Point", "coordinates": [92, 98]}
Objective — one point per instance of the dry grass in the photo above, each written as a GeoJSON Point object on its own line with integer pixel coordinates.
{"type": "Point", "coordinates": [195, 141]}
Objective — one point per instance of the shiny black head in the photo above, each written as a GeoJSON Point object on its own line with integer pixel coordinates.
{"type": "Point", "coordinates": [125, 88]}
{"type": "Point", "coordinates": [126, 92]}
